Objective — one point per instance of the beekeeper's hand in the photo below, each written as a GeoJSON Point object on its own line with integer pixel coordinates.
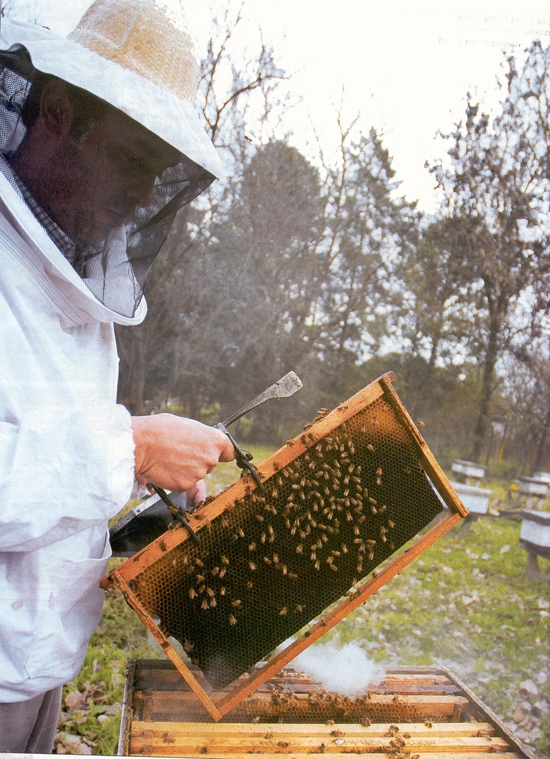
{"type": "Point", "coordinates": [176, 453]}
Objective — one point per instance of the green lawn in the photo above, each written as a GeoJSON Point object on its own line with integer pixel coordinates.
{"type": "Point", "coordinates": [465, 604]}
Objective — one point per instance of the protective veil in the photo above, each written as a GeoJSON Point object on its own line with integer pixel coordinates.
{"type": "Point", "coordinates": [113, 56]}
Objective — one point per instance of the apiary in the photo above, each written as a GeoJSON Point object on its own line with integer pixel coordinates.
{"type": "Point", "coordinates": [415, 712]}
{"type": "Point", "coordinates": [279, 565]}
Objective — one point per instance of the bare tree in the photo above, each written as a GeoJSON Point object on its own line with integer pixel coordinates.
{"type": "Point", "coordinates": [496, 201]}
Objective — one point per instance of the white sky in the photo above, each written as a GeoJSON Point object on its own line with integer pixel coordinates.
{"type": "Point", "coordinates": [406, 66]}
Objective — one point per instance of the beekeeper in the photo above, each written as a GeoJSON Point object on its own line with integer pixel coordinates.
{"type": "Point", "coordinates": [100, 147]}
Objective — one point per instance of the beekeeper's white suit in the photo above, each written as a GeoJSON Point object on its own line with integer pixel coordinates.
{"type": "Point", "coordinates": [66, 448]}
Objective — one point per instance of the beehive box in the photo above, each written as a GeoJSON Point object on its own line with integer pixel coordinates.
{"type": "Point", "coordinates": [416, 712]}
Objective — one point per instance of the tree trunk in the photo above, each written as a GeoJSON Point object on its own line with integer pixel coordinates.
{"type": "Point", "coordinates": [486, 391]}
{"type": "Point", "coordinates": [541, 450]}
{"type": "Point", "coordinates": [133, 367]}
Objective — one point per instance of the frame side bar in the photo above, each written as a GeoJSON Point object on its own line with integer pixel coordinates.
{"type": "Point", "coordinates": [159, 636]}
{"type": "Point", "coordinates": [436, 474]}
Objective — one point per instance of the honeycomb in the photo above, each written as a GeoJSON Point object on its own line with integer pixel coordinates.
{"type": "Point", "coordinates": [273, 562]}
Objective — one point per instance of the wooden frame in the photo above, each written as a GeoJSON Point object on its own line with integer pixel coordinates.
{"type": "Point", "coordinates": [123, 576]}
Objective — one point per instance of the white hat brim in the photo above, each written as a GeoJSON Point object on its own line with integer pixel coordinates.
{"type": "Point", "coordinates": [173, 120]}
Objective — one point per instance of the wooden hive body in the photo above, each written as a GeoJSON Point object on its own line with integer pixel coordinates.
{"type": "Point", "coordinates": [415, 711]}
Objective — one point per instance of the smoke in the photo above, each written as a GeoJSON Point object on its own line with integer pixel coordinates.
{"type": "Point", "coordinates": [345, 669]}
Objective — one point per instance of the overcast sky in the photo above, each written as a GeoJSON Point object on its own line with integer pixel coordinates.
{"type": "Point", "coordinates": [406, 66]}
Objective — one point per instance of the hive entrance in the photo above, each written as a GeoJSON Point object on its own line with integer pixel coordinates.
{"type": "Point", "coordinates": [340, 499]}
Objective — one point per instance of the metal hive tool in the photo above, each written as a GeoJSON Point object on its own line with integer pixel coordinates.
{"type": "Point", "coordinates": [341, 499]}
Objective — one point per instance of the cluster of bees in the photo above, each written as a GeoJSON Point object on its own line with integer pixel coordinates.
{"type": "Point", "coordinates": [316, 509]}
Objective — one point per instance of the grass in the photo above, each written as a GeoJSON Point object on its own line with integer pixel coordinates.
{"type": "Point", "coordinates": [465, 604]}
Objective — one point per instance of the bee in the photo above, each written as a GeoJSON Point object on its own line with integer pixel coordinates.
{"type": "Point", "coordinates": [356, 530]}
{"type": "Point", "coordinates": [275, 558]}
{"type": "Point", "coordinates": [349, 517]}
{"type": "Point", "coordinates": [267, 561]}
{"type": "Point", "coordinates": [335, 553]}
{"type": "Point", "coordinates": [374, 573]}
{"type": "Point", "coordinates": [249, 585]}
{"type": "Point", "coordinates": [392, 547]}
{"type": "Point", "coordinates": [290, 442]}
{"type": "Point", "coordinates": [283, 611]}
{"type": "Point", "coordinates": [202, 588]}
{"type": "Point", "coordinates": [330, 559]}
{"type": "Point", "coordinates": [373, 509]}
{"type": "Point", "coordinates": [213, 603]}
{"type": "Point", "coordinates": [236, 603]}
{"type": "Point", "coordinates": [192, 593]}
{"type": "Point", "coordinates": [199, 563]}
{"type": "Point", "coordinates": [382, 509]}
{"type": "Point", "coordinates": [428, 724]}
{"type": "Point", "coordinates": [252, 565]}
{"type": "Point", "coordinates": [333, 567]}
{"type": "Point", "coordinates": [225, 523]}
{"type": "Point", "coordinates": [269, 735]}
{"type": "Point", "coordinates": [201, 578]}
{"type": "Point", "coordinates": [379, 471]}
{"type": "Point", "coordinates": [292, 576]}
{"type": "Point", "coordinates": [232, 620]}
{"type": "Point", "coordinates": [210, 592]}
{"type": "Point", "coordinates": [317, 565]}
{"type": "Point", "coordinates": [370, 447]}
{"type": "Point", "coordinates": [222, 573]}
{"type": "Point", "coordinates": [371, 556]}
{"type": "Point", "coordinates": [299, 548]}
{"type": "Point", "coordinates": [287, 523]}
{"type": "Point", "coordinates": [204, 604]}
{"type": "Point", "coordinates": [390, 524]}
{"type": "Point", "coordinates": [313, 556]}
{"type": "Point", "coordinates": [222, 591]}
{"type": "Point", "coordinates": [224, 560]}
{"type": "Point", "coordinates": [361, 519]}
{"type": "Point", "coordinates": [262, 538]}
{"type": "Point", "coordinates": [215, 571]}
{"type": "Point", "coordinates": [324, 537]}
{"type": "Point", "coordinates": [344, 548]}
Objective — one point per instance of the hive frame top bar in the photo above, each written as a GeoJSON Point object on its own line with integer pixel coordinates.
{"type": "Point", "coordinates": [123, 576]}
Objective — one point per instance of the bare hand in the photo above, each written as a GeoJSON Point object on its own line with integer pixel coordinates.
{"type": "Point", "coordinates": [175, 453]}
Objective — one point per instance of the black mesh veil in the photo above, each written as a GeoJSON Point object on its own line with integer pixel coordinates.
{"type": "Point", "coordinates": [114, 265]}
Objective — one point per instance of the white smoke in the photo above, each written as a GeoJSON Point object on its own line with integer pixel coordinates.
{"type": "Point", "coordinates": [344, 669]}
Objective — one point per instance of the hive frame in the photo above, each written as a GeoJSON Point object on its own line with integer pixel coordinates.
{"type": "Point", "coordinates": [123, 576]}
